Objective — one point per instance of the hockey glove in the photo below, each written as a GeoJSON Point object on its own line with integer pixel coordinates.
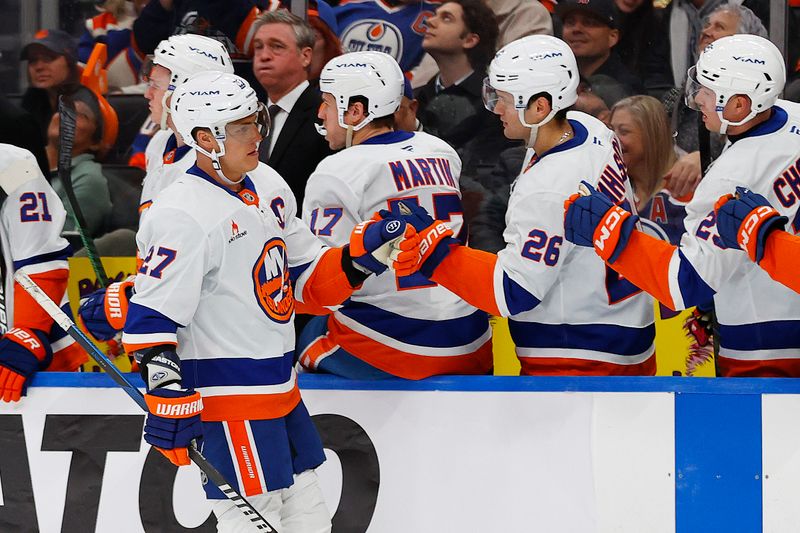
{"type": "Point", "coordinates": [23, 351]}
{"type": "Point", "coordinates": [378, 244]}
{"type": "Point", "coordinates": [593, 220]}
{"type": "Point", "coordinates": [746, 220]}
{"type": "Point", "coordinates": [173, 422]}
{"type": "Point", "coordinates": [435, 236]}
{"type": "Point", "coordinates": [104, 311]}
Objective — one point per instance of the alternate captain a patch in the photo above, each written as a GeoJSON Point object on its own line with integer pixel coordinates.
{"type": "Point", "coordinates": [271, 282]}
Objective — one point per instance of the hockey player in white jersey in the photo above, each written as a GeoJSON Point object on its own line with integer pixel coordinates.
{"type": "Point", "coordinates": [735, 85]}
{"type": "Point", "coordinates": [31, 220]}
{"type": "Point", "coordinates": [392, 326]}
{"type": "Point", "coordinates": [167, 156]}
{"type": "Point", "coordinates": [568, 313]}
{"type": "Point", "coordinates": [225, 259]}
{"type": "Point", "coordinates": [174, 61]}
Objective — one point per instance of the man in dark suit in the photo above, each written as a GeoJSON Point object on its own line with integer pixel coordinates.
{"type": "Point", "coordinates": [282, 49]}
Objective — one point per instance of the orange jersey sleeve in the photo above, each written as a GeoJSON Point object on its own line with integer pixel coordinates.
{"type": "Point", "coordinates": [780, 260]}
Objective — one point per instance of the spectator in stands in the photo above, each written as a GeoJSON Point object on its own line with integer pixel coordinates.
{"type": "Point", "coordinates": [395, 27]}
{"type": "Point", "coordinates": [52, 70]}
{"type": "Point", "coordinates": [113, 27]}
{"type": "Point", "coordinates": [283, 45]}
{"type": "Point", "coordinates": [590, 30]}
{"type": "Point", "coordinates": [725, 20]}
{"type": "Point", "coordinates": [327, 44]}
{"type": "Point", "coordinates": [515, 19]}
{"type": "Point", "coordinates": [685, 24]}
{"type": "Point", "coordinates": [462, 38]}
{"type": "Point", "coordinates": [642, 127]}
{"type": "Point", "coordinates": [405, 118]}
{"type": "Point", "coordinates": [88, 181]}
{"type": "Point", "coordinates": [642, 45]}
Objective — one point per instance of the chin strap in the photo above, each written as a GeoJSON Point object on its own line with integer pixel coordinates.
{"type": "Point", "coordinates": [535, 127]}
{"type": "Point", "coordinates": [348, 140]}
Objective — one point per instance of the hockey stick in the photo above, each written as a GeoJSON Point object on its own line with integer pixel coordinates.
{"type": "Point", "coordinates": [66, 134]}
{"type": "Point", "coordinates": [61, 318]}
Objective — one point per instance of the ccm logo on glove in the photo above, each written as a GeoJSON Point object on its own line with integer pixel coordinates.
{"type": "Point", "coordinates": [431, 236]}
{"type": "Point", "coordinates": [609, 224]}
{"type": "Point", "coordinates": [752, 220]}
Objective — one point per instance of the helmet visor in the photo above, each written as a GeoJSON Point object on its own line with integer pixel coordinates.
{"type": "Point", "coordinates": [695, 92]}
{"type": "Point", "coordinates": [245, 131]}
{"type": "Point", "coordinates": [489, 95]}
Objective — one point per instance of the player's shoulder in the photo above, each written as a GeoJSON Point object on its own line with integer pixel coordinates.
{"type": "Point", "coordinates": [268, 182]}
{"type": "Point", "coordinates": [18, 167]}
{"type": "Point", "coordinates": [432, 142]}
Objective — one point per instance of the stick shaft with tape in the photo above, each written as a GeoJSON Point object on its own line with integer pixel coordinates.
{"type": "Point", "coordinates": [66, 323]}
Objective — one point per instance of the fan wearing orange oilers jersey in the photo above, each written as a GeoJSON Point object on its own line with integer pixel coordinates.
{"type": "Point", "coordinates": [406, 327]}
{"type": "Point", "coordinates": [32, 218]}
{"type": "Point", "coordinates": [568, 313]}
{"type": "Point", "coordinates": [174, 61]}
{"type": "Point", "coordinates": [224, 259]}
{"type": "Point", "coordinates": [748, 221]}
{"type": "Point", "coordinates": [735, 85]}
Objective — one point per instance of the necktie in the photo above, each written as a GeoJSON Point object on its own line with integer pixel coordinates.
{"type": "Point", "coordinates": [263, 148]}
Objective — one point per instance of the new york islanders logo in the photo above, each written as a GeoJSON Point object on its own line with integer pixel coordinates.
{"type": "Point", "coordinates": [271, 283]}
{"type": "Point", "coordinates": [373, 35]}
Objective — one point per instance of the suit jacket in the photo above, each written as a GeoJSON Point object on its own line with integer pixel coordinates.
{"type": "Point", "coordinates": [299, 148]}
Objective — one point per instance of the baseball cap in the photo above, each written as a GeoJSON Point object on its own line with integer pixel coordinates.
{"type": "Point", "coordinates": [603, 10]}
{"type": "Point", "coordinates": [58, 41]}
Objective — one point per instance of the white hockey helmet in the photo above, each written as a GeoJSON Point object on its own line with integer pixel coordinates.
{"type": "Point", "coordinates": [529, 66]}
{"type": "Point", "coordinates": [374, 75]}
{"type": "Point", "coordinates": [739, 64]}
{"type": "Point", "coordinates": [186, 55]}
{"type": "Point", "coordinates": [213, 100]}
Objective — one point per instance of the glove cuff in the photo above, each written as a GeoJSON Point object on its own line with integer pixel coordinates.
{"type": "Point", "coordinates": [608, 232]}
{"type": "Point", "coordinates": [115, 302]}
{"type": "Point", "coordinates": [755, 229]}
{"type": "Point", "coordinates": [187, 405]}
{"type": "Point", "coordinates": [34, 341]}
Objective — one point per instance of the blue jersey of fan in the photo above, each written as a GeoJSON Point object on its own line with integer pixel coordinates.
{"type": "Point", "coordinates": [375, 25]}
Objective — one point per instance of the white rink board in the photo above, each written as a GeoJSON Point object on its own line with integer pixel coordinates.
{"type": "Point", "coordinates": [780, 415]}
{"type": "Point", "coordinates": [467, 461]}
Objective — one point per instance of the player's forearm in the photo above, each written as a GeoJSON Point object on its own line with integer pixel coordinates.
{"type": "Point", "coordinates": [662, 270]}
{"type": "Point", "coordinates": [781, 256]}
{"type": "Point", "coordinates": [28, 313]}
{"type": "Point", "coordinates": [469, 273]}
{"type": "Point", "coordinates": [645, 263]}
{"type": "Point", "coordinates": [332, 281]}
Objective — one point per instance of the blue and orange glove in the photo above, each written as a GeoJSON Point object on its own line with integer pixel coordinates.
{"type": "Point", "coordinates": [173, 423]}
{"type": "Point", "coordinates": [104, 311]}
{"type": "Point", "coordinates": [435, 236]}
{"type": "Point", "coordinates": [745, 220]}
{"type": "Point", "coordinates": [23, 352]}
{"type": "Point", "coordinates": [382, 243]}
{"type": "Point", "coordinates": [593, 220]}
